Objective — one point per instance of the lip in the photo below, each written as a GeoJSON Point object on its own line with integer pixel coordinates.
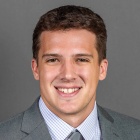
{"type": "Point", "coordinates": [68, 95]}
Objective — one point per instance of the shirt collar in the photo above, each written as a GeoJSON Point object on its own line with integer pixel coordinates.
{"type": "Point", "coordinates": [60, 130]}
{"type": "Point", "coordinates": [91, 124]}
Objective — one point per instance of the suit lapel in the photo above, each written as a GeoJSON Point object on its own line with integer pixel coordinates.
{"type": "Point", "coordinates": [34, 125]}
{"type": "Point", "coordinates": [40, 133]}
{"type": "Point", "coordinates": [108, 129]}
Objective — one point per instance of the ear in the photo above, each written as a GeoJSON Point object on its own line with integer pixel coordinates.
{"type": "Point", "coordinates": [34, 67]}
{"type": "Point", "coordinates": [103, 69]}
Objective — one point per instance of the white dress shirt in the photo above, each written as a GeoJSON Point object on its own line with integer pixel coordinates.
{"type": "Point", "coordinates": [59, 129]}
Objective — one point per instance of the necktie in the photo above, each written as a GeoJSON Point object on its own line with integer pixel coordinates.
{"type": "Point", "coordinates": [76, 135]}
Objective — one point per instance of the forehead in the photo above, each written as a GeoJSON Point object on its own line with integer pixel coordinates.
{"type": "Point", "coordinates": [67, 40]}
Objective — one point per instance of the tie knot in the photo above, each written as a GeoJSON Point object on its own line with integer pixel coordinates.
{"type": "Point", "coordinates": [76, 135]}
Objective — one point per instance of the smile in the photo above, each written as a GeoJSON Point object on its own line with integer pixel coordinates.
{"type": "Point", "coordinates": [68, 90]}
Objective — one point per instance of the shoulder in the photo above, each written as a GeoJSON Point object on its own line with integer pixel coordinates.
{"type": "Point", "coordinates": [127, 126]}
{"type": "Point", "coordinates": [10, 128]}
{"type": "Point", "coordinates": [122, 119]}
{"type": "Point", "coordinates": [21, 125]}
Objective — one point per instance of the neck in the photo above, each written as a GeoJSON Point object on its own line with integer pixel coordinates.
{"type": "Point", "coordinates": [75, 119]}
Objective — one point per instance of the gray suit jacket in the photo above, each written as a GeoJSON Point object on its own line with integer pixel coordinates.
{"type": "Point", "coordinates": [30, 125]}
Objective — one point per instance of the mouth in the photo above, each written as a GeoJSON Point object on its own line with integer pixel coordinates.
{"type": "Point", "coordinates": [67, 92]}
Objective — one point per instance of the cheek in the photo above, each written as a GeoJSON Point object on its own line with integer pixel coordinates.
{"type": "Point", "coordinates": [85, 72]}
{"type": "Point", "coordinates": [48, 74]}
{"type": "Point", "coordinates": [90, 75]}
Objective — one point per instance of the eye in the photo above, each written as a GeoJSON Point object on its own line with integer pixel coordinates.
{"type": "Point", "coordinates": [52, 60]}
{"type": "Point", "coordinates": [82, 60]}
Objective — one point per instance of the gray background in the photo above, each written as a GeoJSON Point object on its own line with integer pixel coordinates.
{"type": "Point", "coordinates": [121, 89]}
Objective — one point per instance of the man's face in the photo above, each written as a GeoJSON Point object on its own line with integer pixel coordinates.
{"type": "Point", "coordinates": [68, 70]}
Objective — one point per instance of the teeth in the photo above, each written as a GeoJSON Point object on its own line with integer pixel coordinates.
{"type": "Point", "coordinates": [68, 90]}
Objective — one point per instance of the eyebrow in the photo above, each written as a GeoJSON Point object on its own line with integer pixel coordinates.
{"type": "Point", "coordinates": [83, 54]}
{"type": "Point", "coordinates": [54, 55]}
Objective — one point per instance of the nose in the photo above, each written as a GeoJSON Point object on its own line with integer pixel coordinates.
{"type": "Point", "coordinates": [68, 72]}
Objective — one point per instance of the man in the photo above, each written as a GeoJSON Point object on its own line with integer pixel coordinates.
{"type": "Point", "coordinates": [69, 59]}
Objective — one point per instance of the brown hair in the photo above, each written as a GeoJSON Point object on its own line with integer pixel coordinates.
{"type": "Point", "coordinates": [71, 17]}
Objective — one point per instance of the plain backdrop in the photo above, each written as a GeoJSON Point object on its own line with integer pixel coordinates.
{"type": "Point", "coordinates": [121, 89]}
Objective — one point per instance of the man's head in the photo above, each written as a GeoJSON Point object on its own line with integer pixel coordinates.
{"type": "Point", "coordinates": [69, 47]}
{"type": "Point", "coordinates": [71, 17]}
